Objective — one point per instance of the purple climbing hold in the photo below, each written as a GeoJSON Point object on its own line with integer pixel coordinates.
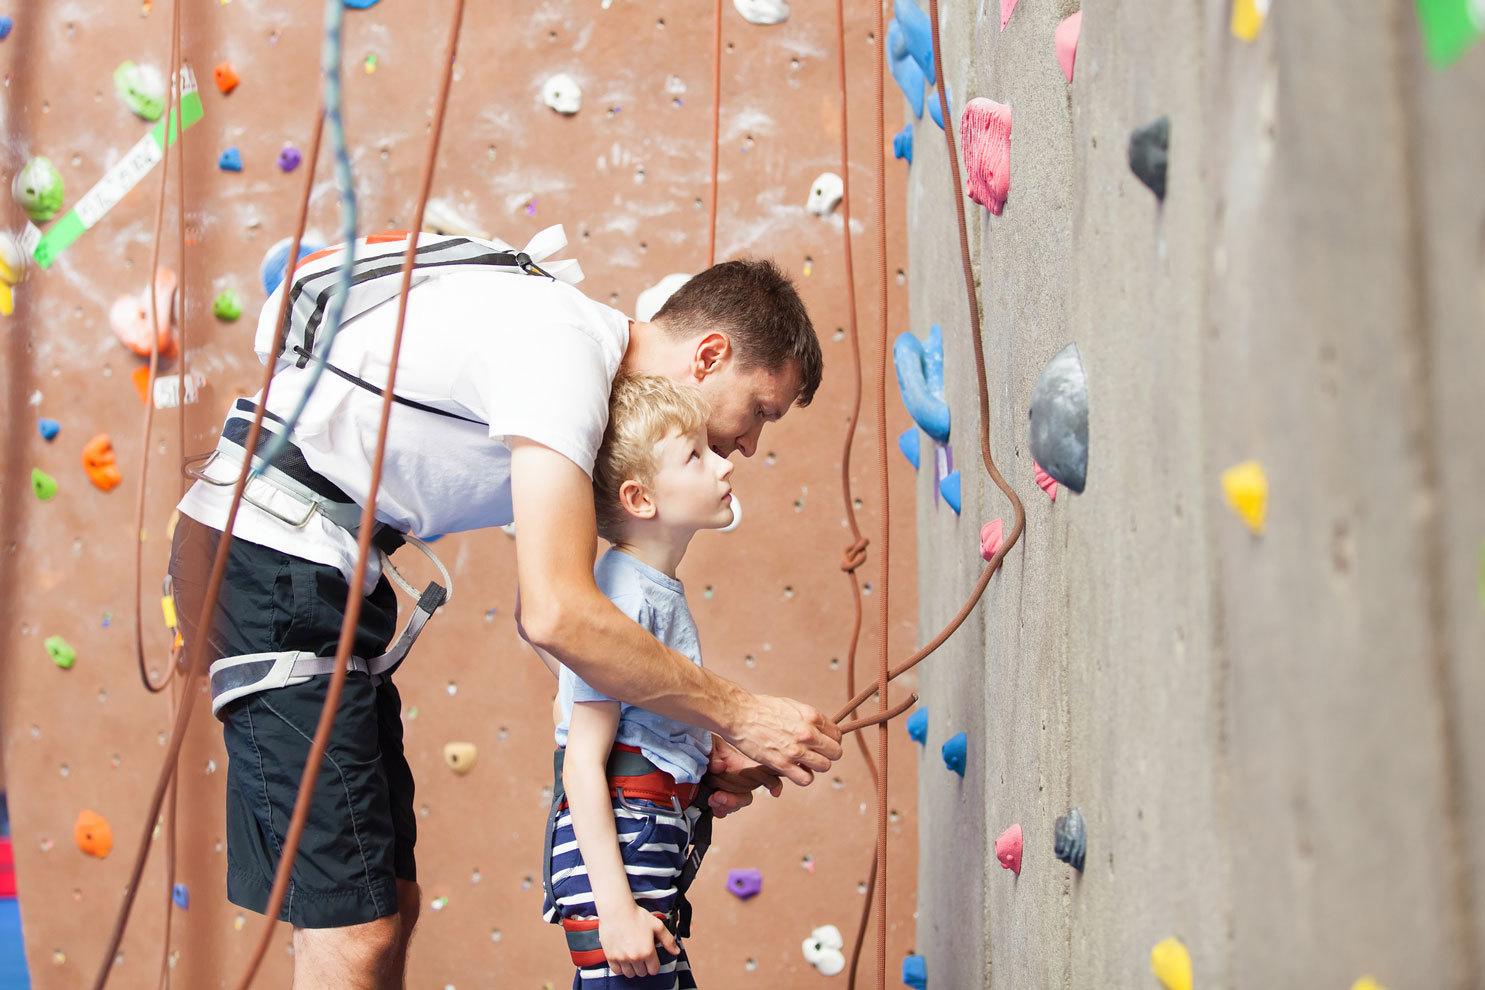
{"type": "Point", "coordinates": [745, 883]}
{"type": "Point", "coordinates": [289, 158]}
{"type": "Point", "coordinates": [230, 160]}
{"type": "Point", "coordinates": [49, 428]}
{"type": "Point", "coordinates": [902, 143]}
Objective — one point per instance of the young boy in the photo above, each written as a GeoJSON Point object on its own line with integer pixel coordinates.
{"type": "Point", "coordinates": [627, 829]}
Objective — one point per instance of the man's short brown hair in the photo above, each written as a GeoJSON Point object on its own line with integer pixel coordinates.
{"type": "Point", "coordinates": [756, 306]}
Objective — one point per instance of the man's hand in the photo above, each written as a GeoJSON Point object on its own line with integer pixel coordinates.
{"type": "Point", "coordinates": [789, 738]}
{"type": "Point", "coordinates": [733, 778]}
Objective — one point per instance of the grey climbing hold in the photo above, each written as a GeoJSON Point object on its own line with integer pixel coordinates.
{"type": "Point", "coordinates": [1059, 419]}
{"type": "Point", "coordinates": [1149, 148]}
{"type": "Point", "coordinates": [1070, 839]}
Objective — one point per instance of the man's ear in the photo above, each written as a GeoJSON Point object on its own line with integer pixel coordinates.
{"type": "Point", "coordinates": [636, 500]}
{"type": "Point", "coordinates": [712, 354]}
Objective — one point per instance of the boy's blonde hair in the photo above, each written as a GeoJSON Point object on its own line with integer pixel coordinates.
{"type": "Point", "coordinates": [643, 410]}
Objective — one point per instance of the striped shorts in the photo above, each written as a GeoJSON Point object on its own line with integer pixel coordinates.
{"type": "Point", "coordinates": [652, 844]}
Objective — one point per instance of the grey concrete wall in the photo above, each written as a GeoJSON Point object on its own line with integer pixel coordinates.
{"type": "Point", "coordinates": [1278, 742]}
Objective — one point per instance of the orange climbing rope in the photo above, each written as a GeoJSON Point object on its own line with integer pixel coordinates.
{"type": "Point", "coordinates": [711, 241]}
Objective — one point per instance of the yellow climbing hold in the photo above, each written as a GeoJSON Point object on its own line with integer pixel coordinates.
{"type": "Point", "coordinates": [167, 606]}
{"type": "Point", "coordinates": [1171, 964]}
{"type": "Point", "coordinates": [460, 756]}
{"type": "Point", "coordinates": [1367, 983]}
{"type": "Point", "coordinates": [1246, 487]}
{"type": "Point", "coordinates": [1247, 18]}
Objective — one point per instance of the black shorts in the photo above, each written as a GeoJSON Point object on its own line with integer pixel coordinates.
{"type": "Point", "coordinates": [359, 836]}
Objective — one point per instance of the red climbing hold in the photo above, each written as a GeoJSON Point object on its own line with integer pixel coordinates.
{"type": "Point", "coordinates": [1008, 849]}
{"type": "Point", "coordinates": [1045, 482]}
{"type": "Point", "coordinates": [1066, 41]}
{"type": "Point", "coordinates": [1007, 8]}
{"type": "Point", "coordinates": [985, 131]}
{"type": "Point", "coordinates": [990, 536]}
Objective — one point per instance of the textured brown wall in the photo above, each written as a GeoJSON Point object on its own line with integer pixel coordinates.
{"type": "Point", "coordinates": [90, 737]}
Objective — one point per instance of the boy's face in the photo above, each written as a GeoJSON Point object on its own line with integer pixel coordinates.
{"type": "Point", "coordinates": [692, 487]}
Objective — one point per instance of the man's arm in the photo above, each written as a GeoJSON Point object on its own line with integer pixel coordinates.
{"type": "Point", "coordinates": [563, 612]}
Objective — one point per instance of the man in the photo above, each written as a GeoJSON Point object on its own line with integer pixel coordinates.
{"type": "Point", "coordinates": [502, 398]}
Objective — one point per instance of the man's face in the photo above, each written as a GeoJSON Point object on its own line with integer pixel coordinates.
{"type": "Point", "coordinates": [743, 401]}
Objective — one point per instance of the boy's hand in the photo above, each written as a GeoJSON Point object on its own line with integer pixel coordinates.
{"type": "Point", "coordinates": [628, 939]}
{"type": "Point", "coordinates": [734, 777]}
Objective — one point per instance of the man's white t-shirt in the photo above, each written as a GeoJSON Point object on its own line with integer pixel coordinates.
{"type": "Point", "coordinates": [530, 356]}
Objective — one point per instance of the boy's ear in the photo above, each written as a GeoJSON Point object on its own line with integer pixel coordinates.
{"type": "Point", "coordinates": [635, 499]}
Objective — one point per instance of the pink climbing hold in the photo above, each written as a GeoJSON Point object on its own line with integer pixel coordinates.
{"type": "Point", "coordinates": [990, 536]}
{"type": "Point", "coordinates": [1008, 849]}
{"type": "Point", "coordinates": [985, 133]}
{"type": "Point", "coordinates": [1066, 41]}
{"type": "Point", "coordinates": [1007, 8]}
{"type": "Point", "coordinates": [1044, 482]}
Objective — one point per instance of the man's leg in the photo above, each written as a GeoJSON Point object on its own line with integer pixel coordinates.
{"type": "Point", "coordinates": [409, 903]}
{"type": "Point", "coordinates": [356, 957]}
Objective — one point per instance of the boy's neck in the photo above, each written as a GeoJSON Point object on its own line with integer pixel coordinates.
{"type": "Point", "coordinates": [661, 549]}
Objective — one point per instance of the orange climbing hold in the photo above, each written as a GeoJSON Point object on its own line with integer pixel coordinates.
{"type": "Point", "coordinates": [99, 462]}
{"type": "Point", "coordinates": [226, 77]}
{"type": "Point", "coordinates": [93, 834]}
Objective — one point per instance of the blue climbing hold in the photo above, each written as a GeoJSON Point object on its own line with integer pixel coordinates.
{"type": "Point", "coordinates": [910, 78]}
{"type": "Point", "coordinates": [902, 143]}
{"type": "Point", "coordinates": [917, 34]}
{"type": "Point", "coordinates": [276, 261]}
{"type": "Point", "coordinates": [360, 4]}
{"type": "Point", "coordinates": [934, 111]}
{"type": "Point", "coordinates": [956, 752]}
{"type": "Point", "coordinates": [909, 443]}
{"type": "Point", "coordinates": [915, 972]}
{"type": "Point", "coordinates": [230, 160]}
{"type": "Point", "coordinates": [49, 428]}
{"type": "Point", "coordinates": [5, 25]}
{"type": "Point", "coordinates": [920, 379]}
{"type": "Point", "coordinates": [181, 896]}
{"type": "Point", "coordinates": [949, 489]}
{"type": "Point", "coordinates": [917, 726]}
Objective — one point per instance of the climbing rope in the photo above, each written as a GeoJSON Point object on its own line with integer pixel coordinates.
{"type": "Point", "coordinates": [711, 226]}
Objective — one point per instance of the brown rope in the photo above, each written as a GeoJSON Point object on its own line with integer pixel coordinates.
{"type": "Point", "coordinates": [711, 242]}
{"type": "Point", "coordinates": [366, 529]}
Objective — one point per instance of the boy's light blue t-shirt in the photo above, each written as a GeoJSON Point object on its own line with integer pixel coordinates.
{"type": "Point", "coordinates": [657, 602]}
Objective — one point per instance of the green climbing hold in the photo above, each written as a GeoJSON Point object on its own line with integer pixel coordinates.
{"type": "Point", "coordinates": [43, 484]}
{"type": "Point", "coordinates": [62, 653]}
{"type": "Point", "coordinates": [141, 88]}
{"type": "Point", "coordinates": [1449, 27]}
{"type": "Point", "coordinates": [226, 305]}
{"type": "Point", "coordinates": [38, 189]}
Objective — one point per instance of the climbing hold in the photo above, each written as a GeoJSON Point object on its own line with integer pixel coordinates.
{"type": "Point", "coordinates": [920, 379]}
{"type": "Point", "coordinates": [653, 299]}
{"type": "Point", "coordinates": [141, 88]}
{"type": "Point", "coordinates": [822, 950]}
{"type": "Point", "coordinates": [936, 112]}
{"type": "Point", "coordinates": [230, 160]}
{"type": "Point", "coordinates": [12, 271]}
{"type": "Point", "coordinates": [1044, 481]}
{"type": "Point", "coordinates": [905, 69]}
{"type": "Point", "coordinates": [167, 393]}
{"type": "Point", "coordinates": [181, 896]}
{"type": "Point", "coordinates": [43, 484]}
{"type": "Point", "coordinates": [460, 756]}
{"type": "Point", "coordinates": [917, 34]}
{"type": "Point", "coordinates": [1246, 488]}
{"type": "Point", "coordinates": [908, 443]}
{"type": "Point", "coordinates": [956, 752]}
{"type": "Point", "coordinates": [949, 488]}
{"type": "Point", "coordinates": [744, 884]}
{"type": "Point", "coordinates": [92, 834]}
{"type": "Point", "coordinates": [1059, 419]}
{"type": "Point", "coordinates": [360, 4]}
{"type": "Point", "coordinates": [1008, 849]}
{"type": "Point", "coordinates": [1247, 18]}
{"type": "Point", "coordinates": [825, 194]}
{"type": "Point", "coordinates": [1171, 964]}
{"type": "Point", "coordinates": [763, 11]}
{"type": "Point", "coordinates": [276, 260]}
{"type": "Point", "coordinates": [6, 24]}
{"type": "Point", "coordinates": [563, 94]}
{"type": "Point", "coordinates": [37, 187]}
{"type": "Point", "coordinates": [49, 428]}
{"type": "Point", "coordinates": [98, 461]}
{"type": "Point", "coordinates": [443, 218]}
{"type": "Point", "coordinates": [1149, 148]}
{"type": "Point", "coordinates": [140, 376]}
{"type": "Point", "coordinates": [915, 972]}
{"type": "Point", "coordinates": [226, 306]}
{"type": "Point", "coordinates": [167, 611]}
{"type": "Point", "coordinates": [1449, 28]}
{"type": "Point", "coordinates": [1007, 8]}
{"type": "Point", "coordinates": [902, 143]}
{"type": "Point", "coordinates": [990, 536]}
{"type": "Point", "coordinates": [917, 726]}
{"type": "Point", "coordinates": [226, 77]}
{"type": "Point", "coordinates": [61, 652]}
{"type": "Point", "coordinates": [985, 138]}
{"type": "Point", "coordinates": [289, 158]}
{"type": "Point", "coordinates": [1367, 983]}
{"type": "Point", "coordinates": [1065, 40]}
{"type": "Point", "coordinates": [130, 317]}
{"type": "Point", "coordinates": [1070, 839]}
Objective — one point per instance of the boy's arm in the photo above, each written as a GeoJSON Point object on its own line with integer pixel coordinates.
{"type": "Point", "coordinates": [563, 612]}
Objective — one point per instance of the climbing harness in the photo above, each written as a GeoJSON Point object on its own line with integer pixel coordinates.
{"type": "Point", "coordinates": [631, 776]}
{"type": "Point", "coordinates": [293, 492]}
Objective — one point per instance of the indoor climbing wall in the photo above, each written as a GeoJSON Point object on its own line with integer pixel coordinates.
{"type": "Point", "coordinates": [627, 173]}
{"type": "Point", "coordinates": [1261, 688]}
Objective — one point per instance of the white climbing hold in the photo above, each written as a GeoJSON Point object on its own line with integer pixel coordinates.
{"type": "Point", "coordinates": [822, 950]}
{"type": "Point", "coordinates": [439, 217]}
{"type": "Point", "coordinates": [736, 516]}
{"type": "Point", "coordinates": [563, 94]}
{"type": "Point", "coordinates": [825, 194]}
{"type": "Point", "coordinates": [653, 299]}
{"type": "Point", "coordinates": [763, 11]}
